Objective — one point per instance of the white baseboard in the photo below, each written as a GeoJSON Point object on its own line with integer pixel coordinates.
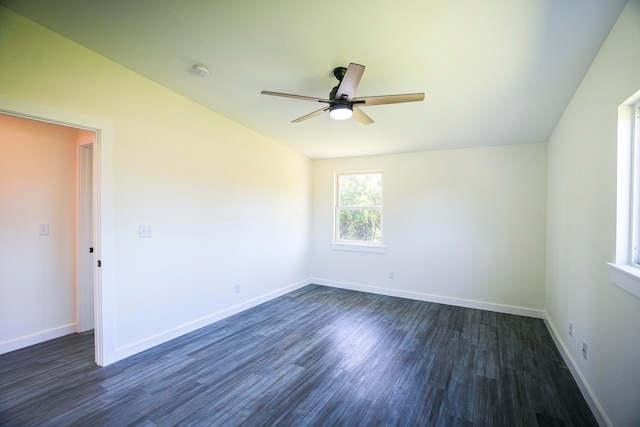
{"type": "Point", "coordinates": [587, 393]}
{"type": "Point", "coordinates": [500, 308]}
{"type": "Point", "coordinates": [37, 338]}
{"type": "Point", "coordinates": [147, 343]}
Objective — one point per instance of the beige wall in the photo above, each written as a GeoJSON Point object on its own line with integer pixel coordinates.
{"type": "Point", "coordinates": [37, 272]}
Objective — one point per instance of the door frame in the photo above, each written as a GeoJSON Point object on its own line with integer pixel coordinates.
{"type": "Point", "coordinates": [85, 257]}
{"type": "Point", "coordinates": [102, 212]}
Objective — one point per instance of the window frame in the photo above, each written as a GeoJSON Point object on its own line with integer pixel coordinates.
{"type": "Point", "coordinates": [634, 247]}
{"type": "Point", "coordinates": [356, 245]}
{"type": "Point", "coordinates": [624, 271]}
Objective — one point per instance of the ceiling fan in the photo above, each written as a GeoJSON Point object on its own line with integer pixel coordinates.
{"type": "Point", "coordinates": [342, 103]}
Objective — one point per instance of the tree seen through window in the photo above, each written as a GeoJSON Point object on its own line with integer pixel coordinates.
{"type": "Point", "coordinates": [359, 207]}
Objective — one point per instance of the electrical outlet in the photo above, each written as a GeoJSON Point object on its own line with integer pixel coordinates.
{"type": "Point", "coordinates": [237, 288]}
{"type": "Point", "coordinates": [144, 230]}
{"type": "Point", "coordinates": [392, 275]}
{"type": "Point", "coordinates": [584, 350]}
{"type": "Point", "coordinates": [570, 329]}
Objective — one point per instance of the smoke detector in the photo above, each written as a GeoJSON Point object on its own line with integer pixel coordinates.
{"type": "Point", "coordinates": [200, 70]}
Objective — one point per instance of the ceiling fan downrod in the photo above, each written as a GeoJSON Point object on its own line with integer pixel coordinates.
{"type": "Point", "coordinates": [338, 73]}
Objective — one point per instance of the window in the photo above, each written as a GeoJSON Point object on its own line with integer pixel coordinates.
{"type": "Point", "coordinates": [358, 211]}
{"type": "Point", "coordinates": [625, 270]}
{"type": "Point", "coordinates": [635, 185]}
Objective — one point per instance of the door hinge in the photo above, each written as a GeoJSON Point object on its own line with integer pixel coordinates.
{"type": "Point", "coordinates": [90, 250]}
{"type": "Point", "coordinates": [99, 263]}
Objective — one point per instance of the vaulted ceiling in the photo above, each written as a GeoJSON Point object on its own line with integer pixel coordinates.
{"type": "Point", "coordinates": [494, 72]}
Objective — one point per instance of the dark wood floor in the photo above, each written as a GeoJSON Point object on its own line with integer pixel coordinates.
{"type": "Point", "coordinates": [317, 356]}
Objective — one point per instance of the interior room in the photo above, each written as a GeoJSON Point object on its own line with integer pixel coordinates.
{"type": "Point", "coordinates": [149, 188]}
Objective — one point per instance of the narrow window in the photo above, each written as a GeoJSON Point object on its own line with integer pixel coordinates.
{"type": "Point", "coordinates": [624, 271]}
{"type": "Point", "coordinates": [635, 186]}
{"type": "Point", "coordinates": [358, 208]}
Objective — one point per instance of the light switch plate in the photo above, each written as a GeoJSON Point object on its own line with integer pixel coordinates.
{"type": "Point", "coordinates": [44, 229]}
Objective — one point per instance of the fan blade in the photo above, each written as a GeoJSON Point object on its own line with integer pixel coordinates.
{"type": "Point", "coordinates": [308, 116]}
{"type": "Point", "coordinates": [388, 99]}
{"type": "Point", "coordinates": [361, 117]}
{"type": "Point", "coordinates": [350, 81]}
{"type": "Point", "coordinates": [287, 95]}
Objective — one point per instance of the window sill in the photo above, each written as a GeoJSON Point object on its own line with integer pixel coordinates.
{"type": "Point", "coordinates": [354, 247]}
{"type": "Point", "coordinates": [625, 276]}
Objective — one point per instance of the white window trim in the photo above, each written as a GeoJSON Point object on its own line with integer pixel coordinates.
{"type": "Point", "coordinates": [625, 270]}
{"type": "Point", "coordinates": [357, 247]}
{"type": "Point", "coordinates": [353, 245]}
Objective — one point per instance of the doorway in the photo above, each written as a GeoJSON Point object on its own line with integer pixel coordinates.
{"type": "Point", "coordinates": [98, 178]}
{"type": "Point", "coordinates": [46, 172]}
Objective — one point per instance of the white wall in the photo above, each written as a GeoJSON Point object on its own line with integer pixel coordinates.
{"type": "Point", "coordinates": [226, 205]}
{"type": "Point", "coordinates": [581, 229]}
{"type": "Point", "coordinates": [465, 227]}
{"type": "Point", "coordinates": [37, 272]}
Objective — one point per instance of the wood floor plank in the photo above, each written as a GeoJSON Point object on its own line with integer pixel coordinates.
{"type": "Point", "coordinates": [316, 356]}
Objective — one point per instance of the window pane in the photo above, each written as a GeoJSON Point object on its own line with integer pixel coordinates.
{"type": "Point", "coordinates": [360, 190]}
{"type": "Point", "coordinates": [360, 224]}
{"type": "Point", "coordinates": [635, 186]}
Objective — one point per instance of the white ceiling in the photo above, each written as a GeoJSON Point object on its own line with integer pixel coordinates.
{"type": "Point", "coordinates": [494, 72]}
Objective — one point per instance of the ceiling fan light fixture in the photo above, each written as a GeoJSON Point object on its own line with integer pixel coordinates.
{"type": "Point", "coordinates": [340, 110]}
